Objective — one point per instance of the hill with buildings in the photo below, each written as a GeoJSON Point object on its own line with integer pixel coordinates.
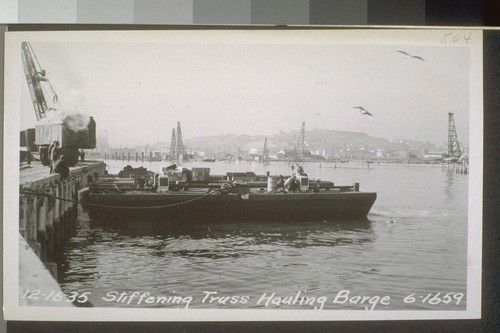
{"type": "Point", "coordinates": [319, 142]}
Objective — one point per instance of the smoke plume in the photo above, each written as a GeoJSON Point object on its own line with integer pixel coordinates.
{"type": "Point", "coordinates": [75, 121]}
{"type": "Point", "coordinates": [68, 109]}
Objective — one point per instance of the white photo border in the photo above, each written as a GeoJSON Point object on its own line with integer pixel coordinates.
{"type": "Point", "coordinates": [410, 36]}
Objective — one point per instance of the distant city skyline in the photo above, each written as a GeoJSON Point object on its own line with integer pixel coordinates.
{"type": "Point", "coordinates": [166, 141]}
{"type": "Point", "coordinates": [320, 142]}
{"type": "Point", "coordinates": [256, 83]}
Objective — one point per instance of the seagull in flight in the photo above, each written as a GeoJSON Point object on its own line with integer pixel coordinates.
{"type": "Point", "coordinates": [411, 55]}
{"type": "Point", "coordinates": [317, 114]}
{"type": "Point", "coordinates": [363, 111]}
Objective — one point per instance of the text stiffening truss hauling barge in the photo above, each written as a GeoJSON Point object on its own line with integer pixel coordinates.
{"type": "Point", "coordinates": [182, 194]}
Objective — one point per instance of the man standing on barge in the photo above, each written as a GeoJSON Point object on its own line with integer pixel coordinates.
{"type": "Point", "coordinates": [298, 170]}
{"type": "Point", "coordinates": [291, 184]}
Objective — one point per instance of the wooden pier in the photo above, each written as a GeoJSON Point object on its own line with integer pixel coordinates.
{"type": "Point", "coordinates": [48, 207]}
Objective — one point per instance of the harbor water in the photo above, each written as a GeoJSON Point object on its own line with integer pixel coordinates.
{"type": "Point", "coordinates": [409, 254]}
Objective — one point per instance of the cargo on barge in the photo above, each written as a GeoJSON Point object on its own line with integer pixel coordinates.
{"type": "Point", "coordinates": [195, 195]}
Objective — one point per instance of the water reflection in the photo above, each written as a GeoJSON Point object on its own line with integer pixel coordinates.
{"type": "Point", "coordinates": [97, 241]}
{"type": "Point", "coordinates": [199, 230]}
{"type": "Point", "coordinates": [293, 234]}
{"type": "Point", "coordinates": [448, 187]}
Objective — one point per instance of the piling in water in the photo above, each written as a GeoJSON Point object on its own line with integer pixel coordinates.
{"type": "Point", "coordinates": [48, 210]}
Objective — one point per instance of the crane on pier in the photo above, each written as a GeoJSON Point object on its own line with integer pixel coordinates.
{"type": "Point", "coordinates": [44, 100]}
{"type": "Point", "coordinates": [38, 84]}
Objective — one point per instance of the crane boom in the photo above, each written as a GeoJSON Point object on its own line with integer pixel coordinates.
{"type": "Point", "coordinates": [38, 84]}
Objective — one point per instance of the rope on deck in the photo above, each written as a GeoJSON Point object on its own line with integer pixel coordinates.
{"type": "Point", "coordinates": [48, 195]}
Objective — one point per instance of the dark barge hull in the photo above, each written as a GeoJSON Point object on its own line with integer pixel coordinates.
{"type": "Point", "coordinates": [182, 206]}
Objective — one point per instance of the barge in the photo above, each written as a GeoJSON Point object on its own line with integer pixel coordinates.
{"type": "Point", "coordinates": [195, 195]}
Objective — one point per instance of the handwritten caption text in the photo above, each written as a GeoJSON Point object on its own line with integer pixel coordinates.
{"type": "Point", "coordinates": [299, 299]}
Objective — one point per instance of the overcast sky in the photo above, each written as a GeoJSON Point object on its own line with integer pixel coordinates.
{"type": "Point", "coordinates": [137, 91]}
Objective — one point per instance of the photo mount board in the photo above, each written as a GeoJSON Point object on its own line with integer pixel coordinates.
{"type": "Point", "coordinates": [401, 37]}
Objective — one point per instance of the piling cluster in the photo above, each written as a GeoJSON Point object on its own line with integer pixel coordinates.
{"type": "Point", "coordinates": [142, 157]}
{"type": "Point", "coordinates": [48, 208]}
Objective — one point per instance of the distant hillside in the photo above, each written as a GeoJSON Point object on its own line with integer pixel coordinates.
{"type": "Point", "coordinates": [327, 140]}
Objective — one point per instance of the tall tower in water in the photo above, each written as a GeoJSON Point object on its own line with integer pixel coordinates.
{"type": "Point", "coordinates": [453, 145]}
{"type": "Point", "coordinates": [265, 152]}
{"type": "Point", "coordinates": [302, 142]}
{"type": "Point", "coordinates": [180, 149]}
{"type": "Point", "coordinates": [173, 153]}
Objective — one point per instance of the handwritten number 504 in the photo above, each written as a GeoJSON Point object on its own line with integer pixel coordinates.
{"type": "Point", "coordinates": [453, 38]}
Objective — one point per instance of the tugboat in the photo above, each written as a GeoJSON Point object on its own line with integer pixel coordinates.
{"type": "Point", "coordinates": [192, 194]}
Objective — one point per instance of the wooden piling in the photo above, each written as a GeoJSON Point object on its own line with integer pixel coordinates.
{"type": "Point", "coordinates": [45, 219]}
{"type": "Point", "coordinates": [23, 216]}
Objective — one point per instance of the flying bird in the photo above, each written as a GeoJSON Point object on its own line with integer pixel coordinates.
{"type": "Point", "coordinates": [411, 55]}
{"type": "Point", "coordinates": [317, 114]}
{"type": "Point", "coordinates": [363, 111]}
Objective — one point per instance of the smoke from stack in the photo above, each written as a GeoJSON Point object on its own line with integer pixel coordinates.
{"type": "Point", "coordinates": [75, 121]}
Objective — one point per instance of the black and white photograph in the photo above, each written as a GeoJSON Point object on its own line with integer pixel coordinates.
{"type": "Point", "coordinates": [302, 174]}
